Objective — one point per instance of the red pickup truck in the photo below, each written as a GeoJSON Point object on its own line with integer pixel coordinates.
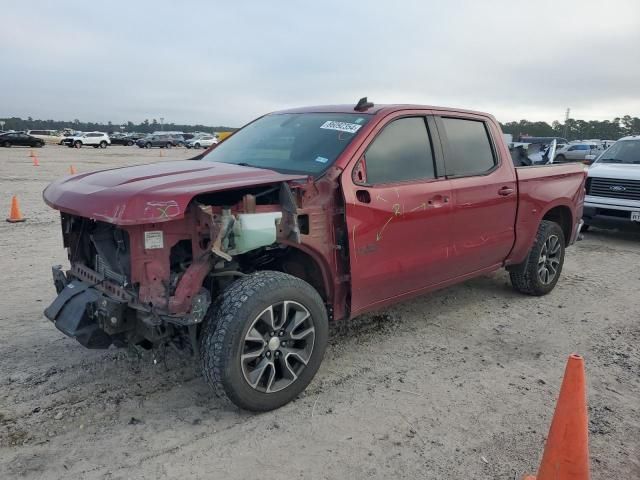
{"type": "Point", "coordinates": [243, 255]}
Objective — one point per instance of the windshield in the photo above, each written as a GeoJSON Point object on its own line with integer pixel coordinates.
{"type": "Point", "coordinates": [306, 143]}
{"type": "Point", "coordinates": [625, 151]}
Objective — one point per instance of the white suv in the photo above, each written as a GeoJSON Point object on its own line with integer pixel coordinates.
{"type": "Point", "coordinates": [202, 140]}
{"type": "Point", "coordinates": [93, 139]}
{"type": "Point", "coordinates": [613, 186]}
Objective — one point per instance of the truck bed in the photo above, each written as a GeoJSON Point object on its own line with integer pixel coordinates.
{"type": "Point", "coordinates": [541, 188]}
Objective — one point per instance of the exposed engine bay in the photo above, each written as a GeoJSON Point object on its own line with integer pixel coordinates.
{"type": "Point", "coordinates": [151, 283]}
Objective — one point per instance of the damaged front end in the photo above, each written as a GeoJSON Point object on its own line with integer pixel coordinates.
{"type": "Point", "coordinates": [154, 282]}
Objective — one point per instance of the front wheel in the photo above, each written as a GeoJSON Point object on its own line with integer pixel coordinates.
{"type": "Point", "coordinates": [6, 144]}
{"type": "Point", "coordinates": [264, 340]}
{"type": "Point", "coordinates": [168, 145]}
{"type": "Point", "coordinates": [103, 144]}
{"type": "Point", "coordinates": [147, 145]}
{"type": "Point", "coordinates": [78, 144]}
{"type": "Point", "coordinates": [560, 159]}
{"type": "Point", "coordinates": [539, 273]}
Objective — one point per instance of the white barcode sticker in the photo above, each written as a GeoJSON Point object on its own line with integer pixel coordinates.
{"type": "Point", "coordinates": [341, 126]}
{"type": "Point", "coordinates": [153, 240]}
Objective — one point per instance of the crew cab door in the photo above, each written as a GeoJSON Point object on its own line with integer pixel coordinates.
{"type": "Point", "coordinates": [397, 208]}
{"type": "Point", "coordinates": [484, 193]}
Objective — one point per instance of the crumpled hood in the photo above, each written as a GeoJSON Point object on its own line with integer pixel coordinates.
{"type": "Point", "coordinates": [151, 193]}
{"type": "Point", "coordinates": [622, 171]}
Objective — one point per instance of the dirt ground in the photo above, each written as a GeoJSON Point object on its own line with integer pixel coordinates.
{"type": "Point", "coordinates": [457, 384]}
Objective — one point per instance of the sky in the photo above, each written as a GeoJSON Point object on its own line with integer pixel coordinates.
{"type": "Point", "coordinates": [224, 63]}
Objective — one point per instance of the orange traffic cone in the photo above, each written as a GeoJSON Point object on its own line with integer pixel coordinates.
{"type": "Point", "coordinates": [36, 162]}
{"type": "Point", "coordinates": [15, 216]}
{"type": "Point", "coordinates": [566, 453]}
{"type": "Point", "coordinates": [72, 170]}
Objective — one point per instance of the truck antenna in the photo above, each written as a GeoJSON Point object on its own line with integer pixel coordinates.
{"type": "Point", "coordinates": [363, 105]}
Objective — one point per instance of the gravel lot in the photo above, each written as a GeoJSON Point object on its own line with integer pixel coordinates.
{"type": "Point", "coordinates": [457, 384]}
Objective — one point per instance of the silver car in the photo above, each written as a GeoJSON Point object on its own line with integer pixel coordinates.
{"type": "Point", "coordinates": [585, 152]}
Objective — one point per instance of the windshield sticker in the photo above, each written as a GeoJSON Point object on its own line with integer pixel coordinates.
{"type": "Point", "coordinates": [341, 126]}
{"type": "Point", "coordinates": [322, 159]}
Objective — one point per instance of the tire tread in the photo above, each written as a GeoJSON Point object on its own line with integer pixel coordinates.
{"type": "Point", "coordinates": [223, 325]}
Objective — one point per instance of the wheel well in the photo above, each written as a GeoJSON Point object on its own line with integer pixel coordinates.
{"type": "Point", "coordinates": [562, 216]}
{"type": "Point", "coordinates": [303, 266]}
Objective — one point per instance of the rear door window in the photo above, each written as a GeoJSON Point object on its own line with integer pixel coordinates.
{"type": "Point", "coordinates": [468, 147]}
{"type": "Point", "coordinates": [402, 151]}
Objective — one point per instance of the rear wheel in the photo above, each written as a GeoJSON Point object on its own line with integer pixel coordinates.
{"type": "Point", "coordinates": [196, 145]}
{"type": "Point", "coordinates": [103, 144]}
{"type": "Point", "coordinates": [130, 143]}
{"type": "Point", "coordinates": [147, 145]}
{"type": "Point", "coordinates": [77, 144]}
{"type": "Point", "coordinates": [560, 159]}
{"type": "Point", "coordinates": [168, 145]}
{"type": "Point", "coordinates": [539, 273]}
{"type": "Point", "coordinates": [6, 144]}
{"type": "Point", "coordinates": [264, 340]}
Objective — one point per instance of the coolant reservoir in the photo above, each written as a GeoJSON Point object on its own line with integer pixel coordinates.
{"type": "Point", "coordinates": [254, 230]}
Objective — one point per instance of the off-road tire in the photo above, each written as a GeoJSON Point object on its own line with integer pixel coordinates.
{"type": "Point", "coordinates": [524, 277]}
{"type": "Point", "coordinates": [227, 323]}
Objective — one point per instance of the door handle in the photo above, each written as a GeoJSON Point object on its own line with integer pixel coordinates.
{"type": "Point", "coordinates": [363, 196]}
{"type": "Point", "coordinates": [504, 191]}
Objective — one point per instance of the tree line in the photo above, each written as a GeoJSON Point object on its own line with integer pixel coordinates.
{"type": "Point", "coordinates": [574, 129]}
{"type": "Point", "coordinates": [18, 124]}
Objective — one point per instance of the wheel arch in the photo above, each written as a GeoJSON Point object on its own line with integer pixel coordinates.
{"type": "Point", "coordinates": [305, 264]}
{"type": "Point", "coordinates": [561, 215]}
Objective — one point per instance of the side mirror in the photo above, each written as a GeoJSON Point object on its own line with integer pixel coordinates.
{"type": "Point", "coordinates": [359, 172]}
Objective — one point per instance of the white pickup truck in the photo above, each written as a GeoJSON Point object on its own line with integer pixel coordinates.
{"type": "Point", "coordinates": [613, 186]}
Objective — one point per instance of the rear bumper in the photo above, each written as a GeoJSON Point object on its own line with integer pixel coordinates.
{"type": "Point", "coordinates": [576, 234]}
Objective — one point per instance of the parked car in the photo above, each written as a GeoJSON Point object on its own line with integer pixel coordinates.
{"type": "Point", "coordinates": [301, 218]}
{"type": "Point", "coordinates": [613, 186]}
{"type": "Point", "coordinates": [162, 141]}
{"type": "Point", "coordinates": [20, 139]}
{"type": "Point", "coordinates": [201, 141]}
{"type": "Point", "coordinates": [128, 139]}
{"type": "Point", "coordinates": [578, 152]}
{"type": "Point", "coordinates": [49, 136]}
{"type": "Point", "coordinates": [92, 139]}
